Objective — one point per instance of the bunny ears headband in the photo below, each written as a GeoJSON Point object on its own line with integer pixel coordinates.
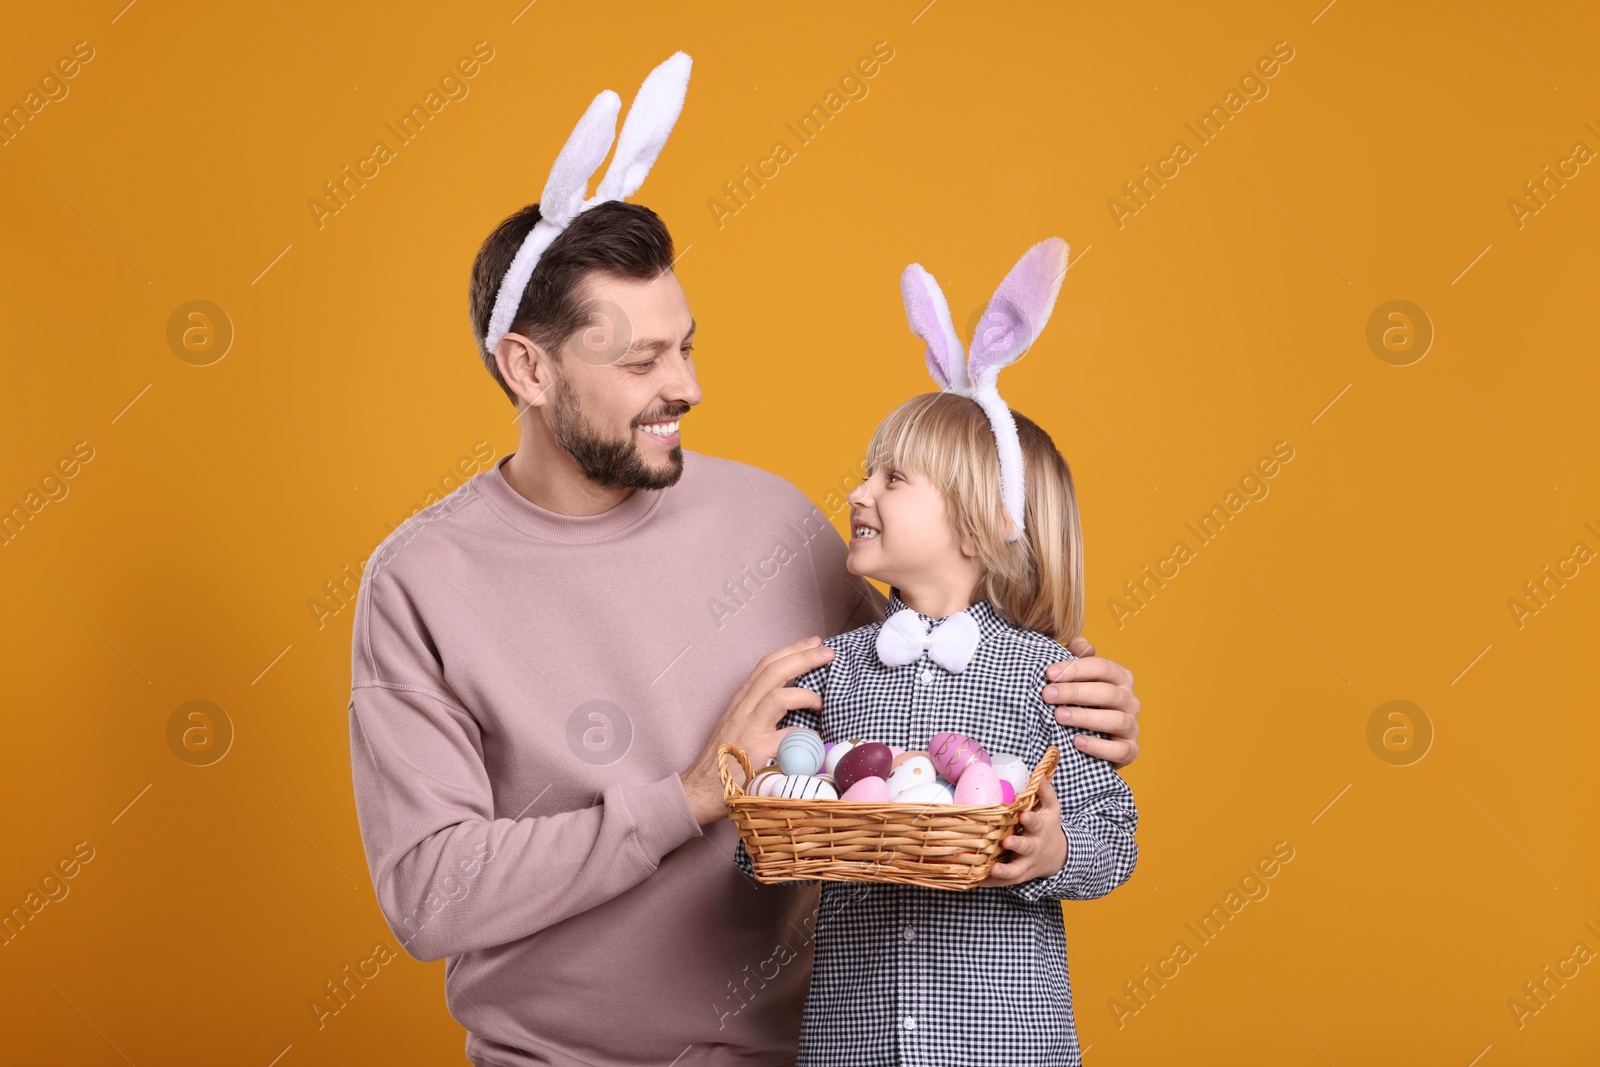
{"type": "Point", "coordinates": [644, 133]}
{"type": "Point", "coordinates": [1016, 314]}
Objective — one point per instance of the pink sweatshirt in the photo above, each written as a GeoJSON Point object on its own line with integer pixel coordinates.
{"type": "Point", "coordinates": [526, 687]}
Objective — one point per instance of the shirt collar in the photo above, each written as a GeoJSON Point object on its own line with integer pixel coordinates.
{"type": "Point", "coordinates": [982, 612]}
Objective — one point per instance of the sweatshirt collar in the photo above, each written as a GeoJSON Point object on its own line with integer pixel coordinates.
{"type": "Point", "coordinates": [524, 515]}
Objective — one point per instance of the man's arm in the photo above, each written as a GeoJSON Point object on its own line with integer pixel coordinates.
{"type": "Point", "coordinates": [449, 874]}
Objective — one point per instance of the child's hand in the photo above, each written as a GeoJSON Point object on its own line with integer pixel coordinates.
{"type": "Point", "coordinates": [1040, 844]}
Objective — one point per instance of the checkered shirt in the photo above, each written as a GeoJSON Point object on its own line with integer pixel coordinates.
{"type": "Point", "coordinates": [907, 975]}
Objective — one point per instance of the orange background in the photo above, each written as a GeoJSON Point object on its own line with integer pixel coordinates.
{"type": "Point", "coordinates": [1228, 313]}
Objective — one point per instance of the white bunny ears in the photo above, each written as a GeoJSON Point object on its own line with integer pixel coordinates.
{"type": "Point", "coordinates": [1016, 314]}
{"type": "Point", "coordinates": [652, 115]}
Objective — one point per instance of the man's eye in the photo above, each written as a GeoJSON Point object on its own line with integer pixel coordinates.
{"type": "Point", "coordinates": [687, 349]}
{"type": "Point", "coordinates": [646, 365]}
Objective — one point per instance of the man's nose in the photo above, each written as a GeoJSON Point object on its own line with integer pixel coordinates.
{"type": "Point", "coordinates": [684, 387]}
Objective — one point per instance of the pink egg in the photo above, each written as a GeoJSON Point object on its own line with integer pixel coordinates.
{"type": "Point", "coordinates": [1008, 792]}
{"type": "Point", "coordinates": [953, 753]}
{"type": "Point", "coordinates": [978, 785]}
{"type": "Point", "coordinates": [868, 790]}
{"type": "Point", "coordinates": [896, 749]}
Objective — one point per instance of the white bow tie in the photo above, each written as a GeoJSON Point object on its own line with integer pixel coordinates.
{"type": "Point", "coordinates": [950, 643]}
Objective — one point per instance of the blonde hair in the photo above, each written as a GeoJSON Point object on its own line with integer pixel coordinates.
{"type": "Point", "coordinates": [1034, 582]}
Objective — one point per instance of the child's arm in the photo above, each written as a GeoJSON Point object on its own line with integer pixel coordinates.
{"type": "Point", "coordinates": [1098, 818]}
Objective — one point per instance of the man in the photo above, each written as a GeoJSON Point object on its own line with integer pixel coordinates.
{"type": "Point", "coordinates": [545, 661]}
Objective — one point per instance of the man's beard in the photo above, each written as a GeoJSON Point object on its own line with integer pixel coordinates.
{"type": "Point", "coordinates": [613, 464]}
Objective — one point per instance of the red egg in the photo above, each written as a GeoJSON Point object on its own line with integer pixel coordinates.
{"type": "Point", "coordinates": [869, 760]}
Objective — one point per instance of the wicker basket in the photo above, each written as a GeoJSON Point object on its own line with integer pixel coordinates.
{"type": "Point", "coordinates": [937, 846]}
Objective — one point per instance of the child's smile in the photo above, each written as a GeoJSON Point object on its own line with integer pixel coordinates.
{"type": "Point", "coordinates": [900, 531]}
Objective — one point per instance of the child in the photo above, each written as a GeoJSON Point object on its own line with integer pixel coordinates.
{"type": "Point", "coordinates": [905, 974]}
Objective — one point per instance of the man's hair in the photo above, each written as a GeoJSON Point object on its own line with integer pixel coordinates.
{"type": "Point", "coordinates": [617, 238]}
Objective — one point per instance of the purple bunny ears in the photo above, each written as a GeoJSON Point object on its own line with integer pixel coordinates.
{"type": "Point", "coordinates": [1013, 320]}
{"type": "Point", "coordinates": [652, 115]}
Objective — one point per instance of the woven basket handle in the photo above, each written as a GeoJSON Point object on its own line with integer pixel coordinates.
{"type": "Point", "coordinates": [729, 788]}
{"type": "Point", "coordinates": [1046, 767]}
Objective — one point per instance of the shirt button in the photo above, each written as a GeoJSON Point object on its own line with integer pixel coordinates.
{"type": "Point", "coordinates": [910, 934]}
{"type": "Point", "coordinates": [909, 1023]}
{"type": "Point", "coordinates": [926, 676]}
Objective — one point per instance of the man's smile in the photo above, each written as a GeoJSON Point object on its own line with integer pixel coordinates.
{"type": "Point", "coordinates": [665, 432]}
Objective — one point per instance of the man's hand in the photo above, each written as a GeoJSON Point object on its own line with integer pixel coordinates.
{"type": "Point", "coordinates": [752, 718]}
{"type": "Point", "coordinates": [1039, 845]}
{"type": "Point", "coordinates": [1096, 694]}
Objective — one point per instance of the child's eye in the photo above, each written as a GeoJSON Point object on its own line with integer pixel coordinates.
{"type": "Point", "coordinates": [895, 474]}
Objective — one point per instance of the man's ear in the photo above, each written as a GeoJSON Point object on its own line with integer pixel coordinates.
{"type": "Point", "coordinates": [527, 367]}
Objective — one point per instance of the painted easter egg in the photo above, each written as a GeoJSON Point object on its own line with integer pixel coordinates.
{"type": "Point", "coordinates": [978, 785]}
{"type": "Point", "coordinates": [952, 753]}
{"type": "Point", "coordinates": [896, 749]}
{"type": "Point", "coordinates": [909, 769]}
{"type": "Point", "coordinates": [1009, 768]}
{"type": "Point", "coordinates": [868, 759]}
{"type": "Point", "coordinates": [770, 784]}
{"type": "Point", "coordinates": [800, 752]}
{"type": "Point", "coordinates": [835, 751]}
{"type": "Point", "coordinates": [1008, 795]}
{"type": "Point", "coordinates": [752, 788]}
{"type": "Point", "coordinates": [868, 790]}
{"type": "Point", "coordinates": [804, 787]}
{"type": "Point", "coordinates": [926, 793]}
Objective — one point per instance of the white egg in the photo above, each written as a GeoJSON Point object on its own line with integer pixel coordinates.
{"type": "Point", "coordinates": [927, 793]}
{"type": "Point", "coordinates": [1011, 769]}
{"type": "Point", "coordinates": [804, 787]}
{"type": "Point", "coordinates": [909, 772]}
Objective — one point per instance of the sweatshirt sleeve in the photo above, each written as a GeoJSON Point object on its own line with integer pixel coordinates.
{"type": "Point", "coordinates": [1097, 814]}
{"type": "Point", "coordinates": [450, 876]}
